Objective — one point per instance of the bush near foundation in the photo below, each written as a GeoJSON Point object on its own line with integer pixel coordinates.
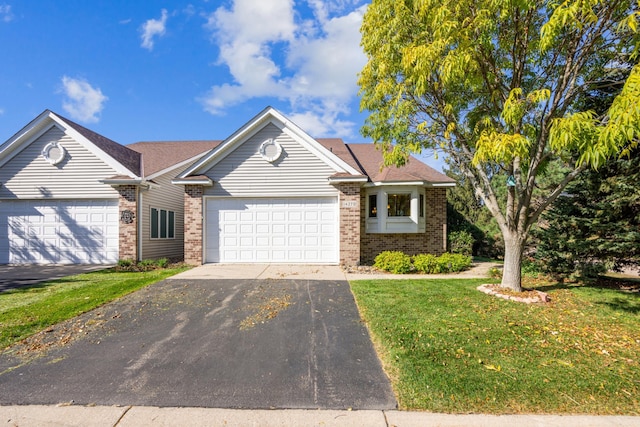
{"type": "Point", "coordinates": [398, 262]}
{"type": "Point", "coordinates": [395, 262]}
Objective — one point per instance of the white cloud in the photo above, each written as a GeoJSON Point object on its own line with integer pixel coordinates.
{"type": "Point", "coordinates": [271, 52]}
{"type": "Point", "coordinates": [5, 13]}
{"type": "Point", "coordinates": [153, 28]}
{"type": "Point", "coordinates": [82, 101]}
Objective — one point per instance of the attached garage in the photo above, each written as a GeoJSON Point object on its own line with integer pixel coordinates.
{"type": "Point", "coordinates": [280, 230]}
{"type": "Point", "coordinates": [58, 231]}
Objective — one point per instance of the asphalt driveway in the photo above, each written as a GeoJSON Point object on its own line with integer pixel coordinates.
{"type": "Point", "coordinates": [226, 343]}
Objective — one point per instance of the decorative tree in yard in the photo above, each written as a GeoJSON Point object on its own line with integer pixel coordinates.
{"type": "Point", "coordinates": [494, 85]}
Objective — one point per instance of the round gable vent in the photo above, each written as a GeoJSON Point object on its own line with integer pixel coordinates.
{"type": "Point", "coordinates": [53, 153]}
{"type": "Point", "coordinates": [270, 150]}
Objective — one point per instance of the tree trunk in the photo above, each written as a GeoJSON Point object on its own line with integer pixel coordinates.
{"type": "Point", "coordinates": [511, 274]}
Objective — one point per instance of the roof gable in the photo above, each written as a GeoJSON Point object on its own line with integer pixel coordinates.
{"type": "Point", "coordinates": [269, 116]}
{"type": "Point", "coordinates": [123, 160]}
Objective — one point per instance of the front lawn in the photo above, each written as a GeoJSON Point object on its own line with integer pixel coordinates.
{"type": "Point", "coordinates": [450, 348]}
{"type": "Point", "coordinates": [27, 310]}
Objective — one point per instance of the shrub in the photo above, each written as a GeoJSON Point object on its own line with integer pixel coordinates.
{"type": "Point", "coordinates": [425, 263]}
{"type": "Point", "coordinates": [495, 273]}
{"type": "Point", "coordinates": [162, 263]}
{"type": "Point", "coordinates": [461, 242]}
{"type": "Point", "coordinates": [124, 263]}
{"type": "Point", "coordinates": [393, 261]}
{"type": "Point", "coordinates": [451, 263]}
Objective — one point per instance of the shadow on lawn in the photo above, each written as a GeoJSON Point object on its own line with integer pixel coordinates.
{"type": "Point", "coordinates": [629, 287]}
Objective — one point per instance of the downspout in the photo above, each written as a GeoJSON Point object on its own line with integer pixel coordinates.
{"type": "Point", "coordinates": [139, 222]}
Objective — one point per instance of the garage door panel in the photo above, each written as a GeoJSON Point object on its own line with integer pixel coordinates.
{"type": "Point", "coordinates": [54, 231]}
{"type": "Point", "coordinates": [272, 230]}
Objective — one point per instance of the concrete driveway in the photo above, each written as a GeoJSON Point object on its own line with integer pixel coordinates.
{"type": "Point", "coordinates": [16, 276]}
{"type": "Point", "coordinates": [250, 337]}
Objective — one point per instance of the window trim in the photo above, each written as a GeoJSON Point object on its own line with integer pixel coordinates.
{"type": "Point", "coordinates": [162, 224]}
{"type": "Point", "coordinates": [372, 211]}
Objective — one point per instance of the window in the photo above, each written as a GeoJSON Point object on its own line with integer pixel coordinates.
{"type": "Point", "coordinates": [373, 206]}
{"type": "Point", "coordinates": [399, 205]}
{"type": "Point", "coordinates": [421, 206]}
{"type": "Point", "coordinates": [162, 224]}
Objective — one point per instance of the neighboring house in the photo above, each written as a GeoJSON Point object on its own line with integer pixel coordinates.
{"type": "Point", "coordinates": [71, 196]}
{"type": "Point", "coordinates": [268, 193]}
{"type": "Point", "coordinates": [271, 193]}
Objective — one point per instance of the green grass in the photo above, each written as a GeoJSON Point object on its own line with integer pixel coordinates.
{"type": "Point", "coordinates": [450, 348]}
{"type": "Point", "coordinates": [27, 310]}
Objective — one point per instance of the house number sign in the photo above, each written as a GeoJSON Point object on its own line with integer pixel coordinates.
{"type": "Point", "coordinates": [349, 204]}
{"type": "Point", "coordinates": [127, 216]}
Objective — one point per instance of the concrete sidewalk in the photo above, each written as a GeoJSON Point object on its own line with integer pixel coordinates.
{"type": "Point", "coordinates": [139, 416]}
{"type": "Point", "coordinates": [479, 270]}
{"type": "Point", "coordinates": [263, 272]}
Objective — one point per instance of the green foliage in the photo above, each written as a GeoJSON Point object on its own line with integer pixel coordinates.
{"type": "Point", "coordinates": [465, 213]}
{"type": "Point", "coordinates": [452, 263]}
{"type": "Point", "coordinates": [393, 261]}
{"type": "Point", "coordinates": [426, 263]}
{"type": "Point", "coordinates": [124, 263]}
{"type": "Point", "coordinates": [461, 242]}
{"type": "Point", "coordinates": [495, 273]}
{"type": "Point", "coordinates": [496, 86]}
{"type": "Point", "coordinates": [399, 263]}
{"type": "Point", "coordinates": [451, 349]}
{"type": "Point", "coordinates": [531, 267]}
{"type": "Point", "coordinates": [143, 265]}
{"type": "Point", "coordinates": [596, 224]}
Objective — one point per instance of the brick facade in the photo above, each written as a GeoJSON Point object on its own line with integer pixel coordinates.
{"type": "Point", "coordinates": [433, 240]}
{"type": "Point", "coordinates": [350, 207]}
{"type": "Point", "coordinates": [193, 219]}
{"type": "Point", "coordinates": [356, 246]}
{"type": "Point", "coordinates": [128, 222]}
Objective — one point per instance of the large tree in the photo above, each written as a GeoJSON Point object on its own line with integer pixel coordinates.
{"type": "Point", "coordinates": [595, 224]}
{"type": "Point", "coordinates": [494, 84]}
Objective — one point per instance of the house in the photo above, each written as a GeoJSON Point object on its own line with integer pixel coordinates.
{"type": "Point", "coordinates": [71, 196]}
{"type": "Point", "coordinates": [267, 193]}
{"type": "Point", "coordinates": [272, 193]}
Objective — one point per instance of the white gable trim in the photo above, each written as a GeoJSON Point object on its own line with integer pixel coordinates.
{"type": "Point", "coordinates": [268, 116]}
{"type": "Point", "coordinates": [93, 148]}
{"type": "Point", "coordinates": [25, 136]}
{"type": "Point", "coordinates": [42, 124]}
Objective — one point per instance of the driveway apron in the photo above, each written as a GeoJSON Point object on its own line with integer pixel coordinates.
{"type": "Point", "coordinates": [242, 343]}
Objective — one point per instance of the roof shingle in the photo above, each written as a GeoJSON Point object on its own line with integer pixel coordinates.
{"type": "Point", "coordinates": [128, 158]}
{"type": "Point", "coordinates": [160, 155]}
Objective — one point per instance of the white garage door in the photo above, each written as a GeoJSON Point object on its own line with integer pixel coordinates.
{"type": "Point", "coordinates": [285, 230]}
{"type": "Point", "coordinates": [59, 232]}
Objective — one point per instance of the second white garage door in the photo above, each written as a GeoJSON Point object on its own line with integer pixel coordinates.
{"type": "Point", "coordinates": [283, 230]}
{"type": "Point", "coordinates": [58, 231]}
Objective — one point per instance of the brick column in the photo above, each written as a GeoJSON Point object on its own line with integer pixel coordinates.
{"type": "Point", "coordinates": [436, 220]}
{"type": "Point", "coordinates": [193, 219]}
{"type": "Point", "coordinates": [349, 223]}
{"type": "Point", "coordinates": [128, 227]}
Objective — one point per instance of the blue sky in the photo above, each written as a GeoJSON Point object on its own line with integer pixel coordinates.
{"type": "Point", "coordinates": [182, 70]}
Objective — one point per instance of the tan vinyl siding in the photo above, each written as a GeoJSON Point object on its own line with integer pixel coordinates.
{"type": "Point", "coordinates": [29, 176]}
{"type": "Point", "coordinates": [243, 172]}
{"type": "Point", "coordinates": [169, 197]}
